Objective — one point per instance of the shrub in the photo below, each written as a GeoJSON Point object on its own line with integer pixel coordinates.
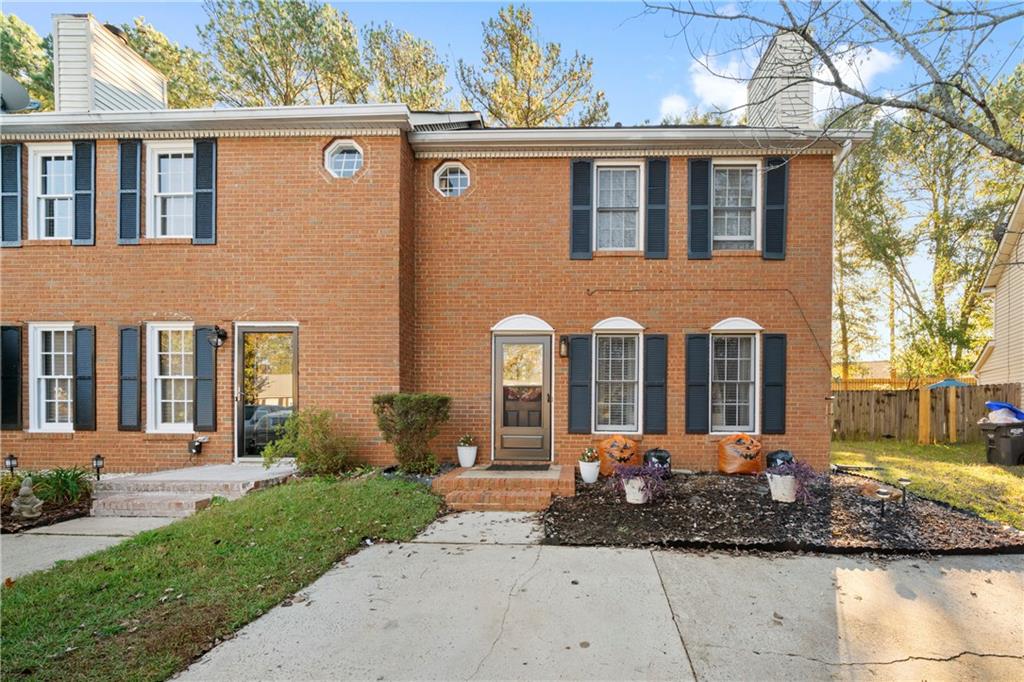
{"type": "Point", "coordinates": [10, 484]}
{"type": "Point", "coordinates": [62, 486]}
{"type": "Point", "coordinates": [408, 421]}
{"type": "Point", "coordinates": [316, 441]}
{"type": "Point", "coordinates": [653, 478]}
{"type": "Point", "coordinates": [803, 473]}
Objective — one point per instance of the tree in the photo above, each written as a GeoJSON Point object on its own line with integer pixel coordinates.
{"type": "Point", "coordinates": [404, 68]}
{"type": "Point", "coordinates": [522, 83]}
{"type": "Point", "coordinates": [187, 70]}
{"type": "Point", "coordinates": [948, 83]}
{"type": "Point", "coordinates": [695, 117]}
{"type": "Point", "coordinates": [27, 58]}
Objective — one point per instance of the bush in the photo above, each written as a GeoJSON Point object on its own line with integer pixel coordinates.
{"type": "Point", "coordinates": [9, 486]}
{"type": "Point", "coordinates": [408, 421]}
{"type": "Point", "coordinates": [62, 486]}
{"type": "Point", "coordinates": [316, 441]}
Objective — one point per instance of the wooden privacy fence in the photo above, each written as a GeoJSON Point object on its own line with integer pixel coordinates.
{"type": "Point", "coordinates": [943, 415]}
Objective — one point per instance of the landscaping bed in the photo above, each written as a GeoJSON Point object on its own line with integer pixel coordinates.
{"type": "Point", "coordinates": [52, 512]}
{"type": "Point", "coordinates": [716, 511]}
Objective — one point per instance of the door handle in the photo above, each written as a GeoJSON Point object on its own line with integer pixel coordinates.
{"type": "Point", "coordinates": [549, 397]}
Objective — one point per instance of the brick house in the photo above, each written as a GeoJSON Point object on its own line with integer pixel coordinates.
{"type": "Point", "coordinates": [170, 274]}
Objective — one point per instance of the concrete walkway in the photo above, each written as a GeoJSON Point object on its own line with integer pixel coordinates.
{"type": "Point", "coordinates": [474, 597]}
{"type": "Point", "coordinates": [41, 548]}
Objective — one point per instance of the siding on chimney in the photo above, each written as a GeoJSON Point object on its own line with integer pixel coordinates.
{"type": "Point", "coordinates": [778, 94]}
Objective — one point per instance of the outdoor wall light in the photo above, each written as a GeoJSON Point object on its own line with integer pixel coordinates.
{"type": "Point", "coordinates": [563, 347]}
{"type": "Point", "coordinates": [11, 462]}
{"type": "Point", "coordinates": [218, 337]}
{"type": "Point", "coordinates": [97, 464]}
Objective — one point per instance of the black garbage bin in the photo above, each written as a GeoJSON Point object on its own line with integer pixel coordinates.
{"type": "Point", "coordinates": [1004, 443]}
{"type": "Point", "coordinates": [659, 458]}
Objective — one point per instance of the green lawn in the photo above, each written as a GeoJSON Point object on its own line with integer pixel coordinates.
{"type": "Point", "coordinates": [144, 609]}
{"type": "Point", "coordinates": [957, 474]}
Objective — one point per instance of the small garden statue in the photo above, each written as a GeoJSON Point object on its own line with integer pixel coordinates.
{"type": "Point", "coordinates": [26, 504]}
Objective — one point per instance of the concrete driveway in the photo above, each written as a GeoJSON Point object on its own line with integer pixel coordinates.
{"type": "Point", "coordinates": [474, 597]}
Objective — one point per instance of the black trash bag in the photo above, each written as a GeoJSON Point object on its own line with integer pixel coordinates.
{"type": "Point", "coordinates": [659, 458]}
{"type": "Point", "coordinates": [777, 457]}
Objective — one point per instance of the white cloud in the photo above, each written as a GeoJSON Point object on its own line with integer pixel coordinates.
{"type": "Point", "coordinates": [673, 105]}
{"type": "Point", "coordinates": [859, 68]}
{"type": "Point", "coordinates": [720, 88]}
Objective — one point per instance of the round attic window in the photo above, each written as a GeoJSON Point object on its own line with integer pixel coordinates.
{"type": "Point", "coordinates": [343, 159]}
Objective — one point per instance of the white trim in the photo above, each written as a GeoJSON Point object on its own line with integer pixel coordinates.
{"type": "Point", "coordinates": [153, 424]}
{"type": "Point", "coordinates": [153, 149]}
{"type": "Point", "coordinates": [736, 324]}
{"type": "Point", "coordinates": [594, 430]}
{"type": "Point", "coordinates": [618, 324]}
{"type": "Point", "coordinates": [445, 166]}
{"type": "Point", "coordinates": [35, 153]}
{"type": "Point", "coordinates": [346, 144]}
{"type": "Point", "coordinates": [522, 324]}
{"type": "Point", "coordinates": [551, 380]}
{"type": "Point", "coordinates": [641, 204]}
{"type": "Point", "coordinates": [758, 164]}
{"type": "Point", "coordinates": [35, 416]}
{"type": "Point", "coordinates": [756, 431]}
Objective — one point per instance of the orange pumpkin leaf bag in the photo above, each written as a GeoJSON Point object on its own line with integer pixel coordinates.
{"type": "Point", "coordinates": [740, 454]}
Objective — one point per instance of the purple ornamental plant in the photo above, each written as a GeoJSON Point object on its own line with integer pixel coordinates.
{"type": "Point", "coordinates": [652, 475]}
{"type": "Point", "coordinates": [804, 475]}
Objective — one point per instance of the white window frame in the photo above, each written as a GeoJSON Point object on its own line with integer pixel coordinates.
{"type": "Point", "coordinates": [641, 201]}
{"type": "Point", "coordinates": [153, 424]}
{"type": "Point", "coordinates": [445, 166]}
{"type": "Point", "coordinates": [736, 326]}
{"type": "Point", "coordinates": [36, 152]}
{"type": "Point", "coordinates": [35, 399]}
{"type": "Point", "coordinates": [758, 196]}
{"type": "Point", "coordinates": [617, 326]}
{"type": "Point", "coordinates": [154, 148]}
{"type": "Point", "coordinates": [343, 144]}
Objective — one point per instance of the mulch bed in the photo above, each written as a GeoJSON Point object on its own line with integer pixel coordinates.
{"type": "Point", "coordinates": [711, 511]}
{"type": "Point", "coordinates": [51, 513]}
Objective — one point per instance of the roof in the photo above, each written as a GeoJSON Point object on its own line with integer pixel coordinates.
{"type": "Point", "coordinates": [1007, 246]}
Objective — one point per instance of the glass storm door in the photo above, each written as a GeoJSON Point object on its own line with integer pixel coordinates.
{"type": "Point", "coordinates": [267, 386]}
{"type": "Point", "coordinates": [522, 397]}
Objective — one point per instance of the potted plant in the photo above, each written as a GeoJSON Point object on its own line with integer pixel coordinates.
{"type": "Point", "coordinates": [590, 465]}
{"type": "Point", "coordinates": [641, 484]}
{"type": "Point", "coordinates": [789, 481]}
{"type": "Point", "coordinates": [467, 451]}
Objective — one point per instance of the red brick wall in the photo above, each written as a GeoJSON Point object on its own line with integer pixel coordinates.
{"type": "Point", "coordinates": [502, 249]}
{"type": "Point", "coordinates": [293, 244]}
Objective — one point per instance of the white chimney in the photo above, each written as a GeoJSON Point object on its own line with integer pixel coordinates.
{"type": "Point", "coordinates": [780, 94]}
{"type": "Point", "coordinates": [95, 70]}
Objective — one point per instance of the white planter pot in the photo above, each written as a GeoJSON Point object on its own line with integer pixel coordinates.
{"type": "Point", "coordinates": [783, 487]}
{"type": "Point", "coordinates": [467, 455]}
{"type": "Point", "coordinates": [589, 471]}
{"type": "Point", "coordinates": [636, 491]}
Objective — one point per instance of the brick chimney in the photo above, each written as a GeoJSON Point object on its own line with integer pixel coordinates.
{"type": "Point", "coordinates": [779, 94]}
{"type": "Point", "coordinates": [95, 70]}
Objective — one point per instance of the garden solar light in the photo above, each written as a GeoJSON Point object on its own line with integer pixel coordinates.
{"type": "Point", "coordinates": [904, 482]}
{"type": "Point", "coordinates": [97, 464]}
{"type": "Point", "coordinates": [883, 494]}
{"type": "Point", "coordinates": [11, 462]}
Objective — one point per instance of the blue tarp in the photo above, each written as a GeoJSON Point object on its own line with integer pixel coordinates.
{"type": "Point", "coordinates": [994, 405]}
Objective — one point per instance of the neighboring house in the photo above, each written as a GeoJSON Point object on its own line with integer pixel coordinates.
{"type": "Point", "coordinates": [669, 283]}
{"type": "Point", "coordinates": [1002, 359]}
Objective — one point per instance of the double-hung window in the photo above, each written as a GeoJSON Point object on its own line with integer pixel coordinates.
{"type": "Point", "coordinates": [170, 186]}
{"type": "Point", "coordinates": [733, 390]}
{"type": "Point", "coordinates": [618, 218]}
{"type": "Point", "coordinates": [171, 362]}
{"type": "Point", "coordinates": [735, 198]}
{"type": "Point", "coordinates": [51, 370]}
{"type": "Point", "coordinates": [52, 180]}
{"type": "Point", "coordinates": [616, 379]}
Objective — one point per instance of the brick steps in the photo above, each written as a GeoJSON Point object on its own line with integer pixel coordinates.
{"type": "Point", "coordinates": [478, 489]}
{"type": "Point", "coordinates": [150, 504]}
{"type": "Point", "coordinates": [498, 500]}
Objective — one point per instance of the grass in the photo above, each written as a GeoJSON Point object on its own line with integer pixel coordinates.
{"type": "Point", "coordinates": [144, 609]}
{"type": "Point", "coordinates": [955, 474]}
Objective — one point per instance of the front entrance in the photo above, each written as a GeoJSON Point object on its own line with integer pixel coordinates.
{"type": "Point", "coordinates": [266, 385]}
{"type": "Point", "coordinates": [522, 397]}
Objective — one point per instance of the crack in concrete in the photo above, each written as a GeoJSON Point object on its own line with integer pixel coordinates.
{"type": "Point", "coordinates": [895, 661]}
{"type": "Point", "coordinates": [504, 615]}
{"type": "Point", "coordinates": [672, 612]}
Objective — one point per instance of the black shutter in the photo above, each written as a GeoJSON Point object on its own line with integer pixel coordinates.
{"type": "Point", "coordinates": [656, 244]}
{"type": "Point", "coordinates": [10, 195]}
{"type": "Point", "coordinates": [85, 196]}
{"type": "Point", "coordinates": [581, 201]}
{"type": "Point", "coordinates": [205, 200]}
{"type": "Point", "coordinates": [10, 377]}
{"type": "Point", "coordinates": [129, 402]}
{"type": "Point", "coordinates": [129, 164]}
{"type": "Point", "coordinates": [655, 383]}
{"type": "Point", "coordinates": [773, 384]}
{"type": "Point", "coordinates": [775, 182]}
{"type": "Point", "coordinates": [85, 378]}
{"type": "Point", "coordinates": [206, 380]}
{"type": "Point", "coordinates": [699, 242]}
{"type": "Point", "coordinates": [697, 376]}
{"type": "Point", "coordinates": [579, 384]}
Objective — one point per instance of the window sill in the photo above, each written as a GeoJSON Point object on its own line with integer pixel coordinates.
{"type": "Point", "coordinates": [625, 253]}
{"type": "Point", "coordinates": [50, 435]}
{"type": "Point", "coordinates": [736, 253]}
{"type": "Point", "coordinates": [166, 435]}
{"type": "Point", "coordinates": [46, 242]}
{"type": "Point", "coordinates": [164, 241]}
{"type": "Point", "coordinates": [607, 434]}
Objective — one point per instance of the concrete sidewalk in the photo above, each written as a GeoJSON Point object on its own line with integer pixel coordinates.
{"type": "Point", "coordinates": [41, 548]}
{"type": "Point", "coordinates": [474, 597]}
